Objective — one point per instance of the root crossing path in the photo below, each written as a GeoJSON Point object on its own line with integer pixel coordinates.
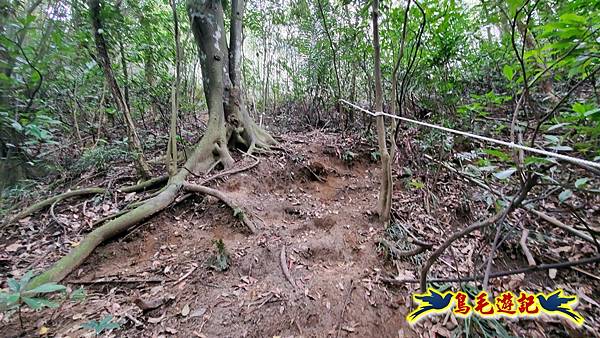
{"type": "Point", "coordinates": [304, 198]}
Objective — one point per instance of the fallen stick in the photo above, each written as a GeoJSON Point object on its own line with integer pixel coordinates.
{"type": "Point", "coordinates": [528, 208]}
{"type": "Point", "coordinates": [117, 281]}
{"type": "Point", "coordinates": [398, 253]}
{"type": "Point", "coordinates": [560, 224]}
{"type": "Point", "coordinates": [346, 302]}
{"type": "Point", "coordinates": [284, 268]}
{"type": "Point", "coordinates": [187, 274]}
{"type": "Point", "coordinates": [523, 243]}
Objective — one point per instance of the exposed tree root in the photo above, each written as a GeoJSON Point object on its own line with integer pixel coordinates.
{"type": "Point", "coordinates": [49, 201]}
{"type": "Point", "coordinates": [284, 267]}
{"type": "Point", "coordinates": [201, 160]}
{"type": "Point", "coordinates": [81, 192]}
{"type": "Point", "coordinates": [237, 211]}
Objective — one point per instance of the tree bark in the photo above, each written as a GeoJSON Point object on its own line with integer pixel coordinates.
{"type": "Point", "coordinates": [172, 143]}
{"type": "Point", "coordinates": [385, 194]}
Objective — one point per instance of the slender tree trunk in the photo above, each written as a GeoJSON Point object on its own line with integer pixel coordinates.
{"type": "Point", "coordinates": [385, 194]}
{"type": "Point", "coordinates": [338, 91]}
{"type": "Point", "coordinates": [134, 142]}
{"type": "Point", "coordinates": [172, 143]}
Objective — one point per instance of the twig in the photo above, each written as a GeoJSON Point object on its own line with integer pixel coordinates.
{"type": "Point", "coordinates": [523, 243]}
{"type": "Point", "coordinates": [560, 224]}
{"type": "Point", "coordinates": [284, 268]}
{"type": "Point", "coordinates": [398, 253]}
{"type": "Point", "coordinates": [346, 302]}
{"type": "Point", "coordinates": [54, 215]}
{"type": "Point", "coordinates": [540, 267]}
{"type": "Point", "coordinates": [475, 226]}
{"type": "Point", "coordinates": [118, 281]}
{"type": "Point", "coordinates": [226, 172]}
{"type": "Point", "coordinates": [187, 274]}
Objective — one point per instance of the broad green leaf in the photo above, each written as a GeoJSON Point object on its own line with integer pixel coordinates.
{"type": "Point", "coordinates": [17, 126]}
{"type": "Point", "coordinates": [25, 279]}
{"type": "Point", "coordinates": [508, 72]}
{"type": "Point", "coordinates": [13, 285]}
{"type": "Point", "coordinates": [573, 18]}
{"type": "Point", "coordinates": [105, 320]}
{"type": "Point", "coordinates": [552, 139]}
{"type": "Point", "coordinates": [563, 196]}
{"type": "Point", "coordinates": [498, 153]}
{"type": "Point", "coordinates": [92, 325]}
{"type": "Point", "coordinates": [12, 298]}
{"type": "Point", "coordinates": [79, 294]}
{"type": "Point", "coordinates": [581, 183]}
{"type": "Point", "coordinates": [48, 287]}
{"type": "Point", "coordinates": [502, 175]}
{"type": "Point", "coordinates": [38, 303]}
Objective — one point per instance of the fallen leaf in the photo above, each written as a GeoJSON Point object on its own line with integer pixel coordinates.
{"type": "Point", "coordinates": [156, 320]}
{"type": "Point", "coordinates": [13, 247]}
{"type": "Point", "coordinates": [198, 312]}
{"type": "Point", "coordinates": [170, 330]}
{"type": "Point", "coordinates": [186, 310]}
{"type": "Point", "coordinates": [43, 330]}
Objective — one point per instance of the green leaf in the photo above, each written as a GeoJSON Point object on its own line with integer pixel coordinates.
{"type": "Point", "coordinates": [563, 196]}
{"type": "Point", "coordinates": [498, 153]}
{"type": "Point", "coordinates": [25, 280]}
{"type": "Point", "coordinates": [13, 285]}
{"type": "Point", "coordinates": [581, 183]}
{"type": "Point", "coordinates": [508, 72]}
{"type": "Point", "coordinates": [78, 295]}
{"type": "Point", "coordinates": [38, 303]}
{"type": "Point", "coordinates": [572, 18]}
{"type": "Point", "coordinates": [12, 298]}
{"type": "Point", "coordinates": [17, 126]}
{"type": "Point", "coordinates": [502, 175]}
{"type": "Point", "coordinates": [105, 320]}
{"type": "Point", "coordinates": [529, 160]}
{"type": "Point", "coordinates": [48, 287]}
{"type": "Point", "coordinates": [92, 325]}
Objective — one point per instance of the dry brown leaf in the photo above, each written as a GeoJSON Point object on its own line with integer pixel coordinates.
{"type": "Point", "coordinates": [186, 310]}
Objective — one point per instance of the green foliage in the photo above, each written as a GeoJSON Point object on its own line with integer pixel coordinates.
{"type": "Point", "coordinates": [105, 324]}
{"type": "Point", "coordinates": [349, 156]}
{"type": "Point", "coordinates": [220, 260]}
{"type": "Point", "coordinates": [101, 156]}
{"type": "Point", "coordinates": [20, 294]}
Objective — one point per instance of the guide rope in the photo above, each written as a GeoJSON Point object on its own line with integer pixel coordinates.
{"type": "Point", "coordinates": [479, 137]}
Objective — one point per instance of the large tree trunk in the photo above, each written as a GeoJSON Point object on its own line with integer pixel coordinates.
{"type": "Point", "coordinates": [206, 18]}
{"type": "Point", "coordinates": [221, 72]}
{"type": "Point", "coordinates": [134, 141]}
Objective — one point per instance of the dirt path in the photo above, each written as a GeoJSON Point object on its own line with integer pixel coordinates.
{"type": "Point", "coordinates": [306, 199]}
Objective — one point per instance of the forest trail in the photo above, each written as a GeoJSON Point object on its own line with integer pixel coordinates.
{"type": "Point", "coordinates": [304, 198]}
